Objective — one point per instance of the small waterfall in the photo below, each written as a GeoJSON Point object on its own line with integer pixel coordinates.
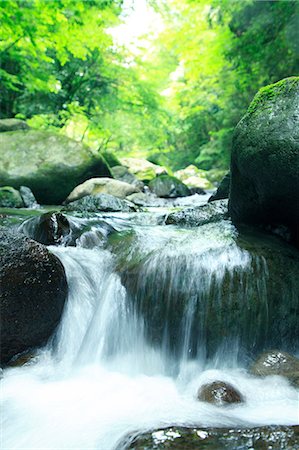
{"type": "Point", "coordinates": [149, 319]}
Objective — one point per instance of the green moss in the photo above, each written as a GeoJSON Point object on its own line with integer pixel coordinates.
{"type": "Point", "coordinates": [270, 92]}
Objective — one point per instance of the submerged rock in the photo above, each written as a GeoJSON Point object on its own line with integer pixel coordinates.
{"type": "Point", "coordinates": [199, 215]}
{"type": "Point", "coordinates": [222, 190]}
{"type": "Point", "coordinates": [219, 393]}
{"type": "Point", "coordinates": [265, 159]}
{"type": "Point", "coordinates": [10, 198]}
{"type": "Point", "coordinates": [33, 292]}
{"type": "Point", "coordinates": [276, 362]}
{"type": "Point", "coordinates": [166, 186]}
{"type": "Point", "coordinates": [184, 438]}
{"type": "Point", "coordinates": [100, 202]}
{"type": "Point", "coordinates": [51, 165]}
{"type": "Point", "coordinates": [96, 186]}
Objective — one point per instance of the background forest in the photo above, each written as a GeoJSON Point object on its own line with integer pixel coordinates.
{"type": "Point", "coordinates": [172, 96]}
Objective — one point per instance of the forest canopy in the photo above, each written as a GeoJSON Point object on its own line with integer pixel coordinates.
{"type": "Point", "coordinates": [173, 97]}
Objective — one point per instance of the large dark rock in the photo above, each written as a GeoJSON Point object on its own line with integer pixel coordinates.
{"type": "Point", "coordinates": [33, 293]}
{"type": "Point", "coordinates": [219, 393]}
{"type": "Point", "coordinates": [199, 215]}
{"type": "Point", "coordinates": [184, 438]}
{"type": "Point", "coordinates": [166, 186]}
{"type": "Point", "coordinates": [265, 159]}
{"type": "Point", "coordinates": [51, 165]}
{"type": "Point", "coordinates": [222, 191]}
{"type": "Point", "coordinates": [49, 229]}
{"type": "Point", "coordinates": [276, 362]}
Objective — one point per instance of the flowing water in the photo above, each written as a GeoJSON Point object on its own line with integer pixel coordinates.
{"type": "Point", "coordinates": [143, 328]}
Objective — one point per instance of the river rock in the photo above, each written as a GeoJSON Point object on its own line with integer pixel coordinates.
{"type": "Point", "coordinates": [199, 215]}
{"type": "Point", "coordinates": [222, 191]}
{"type": "Point", "coordinates": [166, 186]}
{"type": "Point", "coordinates": [143, 170]}
{"type": "Point", "coordinates": [194, 177]}
{"type": "Point", "coordinates": [219, 393]}
{"type": "Point", "coordinates": [28, 197]}
{"type": "Point", "coordinates": [184, 438]}
{"type": "Point", "coordinates": [122, 173]}
{"type": "Point", "coordinates": [33, 293]}
{"type": "Point", "coordinates": [49, 229]}
{"type": "Point", "coordinates": [277, 362]}
{"type": "Point", "coordinates": [95, 186]}
{"type": "Point", "coordinates": [13, 125]}
{"type": "Point", "coordinates": [50, 164]}
{"type": "Point", "coordinates": [10, 198]}
{"type": "Point", "coordinates": [100, 202]}
{"type": "Point", "coordinates": [265, 159]}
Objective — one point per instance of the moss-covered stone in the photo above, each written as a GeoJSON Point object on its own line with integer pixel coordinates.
{"type": "Point", "coordinates": [144, 170]}
{"type": "Point", "coordinates": [51, 165]}
{"type": "Point", "coordinates": [265, 160]}
{"type": "Point", "coordinates": [10, 198]}
{"type": "Point", "coordinates": [184, 438]}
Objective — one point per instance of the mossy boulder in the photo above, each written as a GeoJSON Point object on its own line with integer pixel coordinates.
{"type": "Point", "coordinates": [10, 198]}
{"type": "Point", "coordinates": [265, 160]}
{"type": "Point", "coordinates": [143, 169]}
{"type": "Point", "coordinates": [166, 186]}
{"type": "Point", "coordinates": [13, 125]}
{"type": "Point", "coordinates": [33, 293]}
{"type": "Point", "coordinates": [51, 165]}
{"type": "Point", "coordinates": [122, 173]}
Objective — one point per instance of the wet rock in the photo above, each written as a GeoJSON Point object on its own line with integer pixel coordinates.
{"type": "Point", "coordinates": [197, 190]}
{"type": "Point", "coordinates": [50, 164]}
{"type": "Point", "coordinates": [146, 200]}
{"type": "Point", "coordinates": [222, 190]}
{"type": "Point", "coordinates": [166, 186]}
{"type": "Point", "coordinates": [33, 293]}
{"type": "Point", "coordinates": [13, 125]}
{"type": "Point", "coordinates": [10, 198]}
{"type": "Point", "coordinates": [184, 438]}
{"type": "Point", "coordinates": [23, 359]}
{"type": "Point", "coordinates": [100, 202]}
{"type": "Point", "coordinates": [96, 186]}
{"type": "Point", "coordinates": [219, 393]}
{"type": "Point", "coordinates": [277, 362]}
{"type": "Point", "coordinates": [265, 160]}
{"type": "Point", "coordinates": [229, 289]}
{"type": "Point", "coordinates": [199, 215]}
{"type": "Point", "coordinates": [122, 173]}
{"type": "Point", "coordinates": [28, 197]}
{"type": "Point", "coordinates": [48, 229]}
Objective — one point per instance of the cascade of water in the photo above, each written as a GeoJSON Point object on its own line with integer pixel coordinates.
{"type": "Point", "coordinates": [129, 353]}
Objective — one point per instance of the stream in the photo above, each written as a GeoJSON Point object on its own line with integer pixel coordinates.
{"type": "Point", "coordinates": [143, 328]}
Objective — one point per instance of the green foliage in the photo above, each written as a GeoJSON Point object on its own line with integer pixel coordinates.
{"type": "Point", "coordinates": [175, 100]}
